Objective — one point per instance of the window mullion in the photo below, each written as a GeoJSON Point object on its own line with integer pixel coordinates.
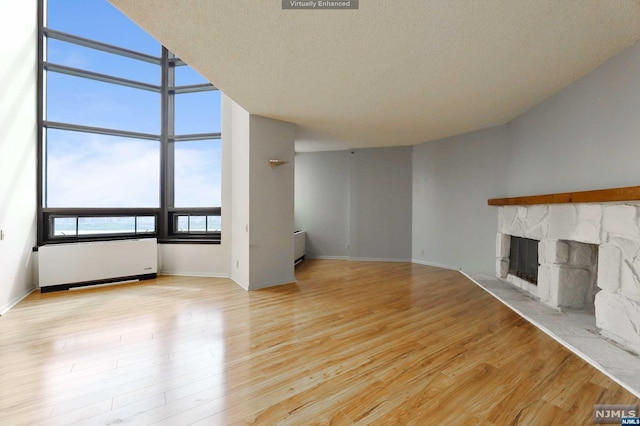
{"type": "Point", "coordinates": [166, 149]}
{"type": "Point", "coordinates": [97, 45]}
{"type": "Point", "coordinates": [40, 154]}
{"type": "Point", "coordinates": [76, 72]}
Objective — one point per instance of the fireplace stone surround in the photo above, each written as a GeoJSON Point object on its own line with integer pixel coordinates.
{"type": "Point", "coordinates": [589, 256]}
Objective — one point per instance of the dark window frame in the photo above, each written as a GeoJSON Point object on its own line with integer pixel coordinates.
{"type": "Point", "coordinates": [174, 214]}
{"type": "Point", "coordinates": [77, 214]}
{"type": "Point", "coordinates": [165, 230]}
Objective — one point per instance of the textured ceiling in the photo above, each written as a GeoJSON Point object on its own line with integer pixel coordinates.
{"type": "Point", "coordinates": [392, 72]}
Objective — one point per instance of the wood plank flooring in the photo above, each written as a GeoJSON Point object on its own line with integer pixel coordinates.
{"type": "Point", "coordinates": [350, 343]}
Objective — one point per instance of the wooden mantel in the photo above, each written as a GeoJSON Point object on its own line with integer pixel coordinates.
{"type": "Point", "coordinates": [630, 193]}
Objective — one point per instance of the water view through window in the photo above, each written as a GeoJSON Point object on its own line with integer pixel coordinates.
{"type": "Point", "coordinates": [86, 226]}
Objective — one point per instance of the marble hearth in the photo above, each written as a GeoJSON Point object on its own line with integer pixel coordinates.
{"type": "Point", "coordinates": [589, 256]}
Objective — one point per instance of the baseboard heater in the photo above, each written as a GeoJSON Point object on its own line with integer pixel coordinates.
{"type": "Point", "coordinates": [65, 266]}
{"type": "Point", "coordinates": [299, 242]}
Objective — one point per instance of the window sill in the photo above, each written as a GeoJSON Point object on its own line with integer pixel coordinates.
{"type": "Point", "coordinates": [188, 241]}
{"type": "Point", "coordinates": [137, 237]}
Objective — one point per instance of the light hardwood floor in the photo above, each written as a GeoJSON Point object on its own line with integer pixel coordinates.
{"type": "Point", "coordinates": [350, 343]}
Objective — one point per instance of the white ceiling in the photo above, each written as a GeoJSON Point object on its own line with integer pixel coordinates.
{"type": "Point", "coordinates": [392, 72]}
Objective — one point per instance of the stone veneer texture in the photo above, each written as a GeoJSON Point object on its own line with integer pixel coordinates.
{"type": "Point", "coordinates": [567, 275]}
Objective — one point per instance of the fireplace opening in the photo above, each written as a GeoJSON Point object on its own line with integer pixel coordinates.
{"type": "Point", "coordinates": [523, 259]}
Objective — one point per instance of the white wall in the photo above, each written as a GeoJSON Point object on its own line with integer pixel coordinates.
{"type": "Point", "coordinates": [359, 199]}
{"type": "Point", "coordinates": [240, 190]}
{"type": "Point", "coordinates": [453, 226]}
{"type": "Point", "coordinates": [201, 260]}
{"type": "Point", "coordinates": [18, 124]}
{"type": "Point", "coordinates": [322, 202]}
{"type": "Point", "coordinates": [271, 222]}
{"type": "Point", "coordinates": [585, 137]}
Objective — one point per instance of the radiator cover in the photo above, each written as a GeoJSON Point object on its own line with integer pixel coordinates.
{"type": "Point", "coordinates": [69, 265]}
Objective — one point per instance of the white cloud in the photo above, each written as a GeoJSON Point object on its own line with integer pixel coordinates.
{"type": "Point", "coordinates": [197, 171]}
{"type": "Point", "coordinates": [86, 170]}
{"type": "Point", "coordinates": [104, 172]}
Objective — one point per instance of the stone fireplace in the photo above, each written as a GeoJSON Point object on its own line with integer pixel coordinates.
{"type": "Point", "coordinates": [589, 260]}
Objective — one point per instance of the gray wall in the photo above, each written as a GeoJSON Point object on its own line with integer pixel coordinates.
{"type": "Point", "coordinates": [585, 137]}
{"type": "Point", "coordinates": [322, 202]}
{"type": "Point", "coordinates": [271, 210]}
{"type": "Point", "coordinates": [358, 199]}
{"type": "Point", "coordinates": [380, 204]}
{"type": "Point", "coordinates": [452, 179]}
{"type": "Point", "coordinates": [262, 199]}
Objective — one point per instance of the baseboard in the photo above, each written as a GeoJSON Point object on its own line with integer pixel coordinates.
{"type": "Point", "coordinates": [378, 259]}
{"type": "Point", "coordinates": [327, 257]}
{"type": "Point", "coordinates": [194, 274]}
{"type": "Point", "coordinates": [434, 264]}
{"type": "Point", "coordinates": [272, 284]}
{"type": "Point", "coordinates": [265, 285]}
{"type": "Point", "coordinates": [360, 259]}
{"type": "Point", "coordinates": [14, 302]}
{"type": "Point", "coordinates": [97, 283]}
{"type": "Point", "coordinates": [239, 283]}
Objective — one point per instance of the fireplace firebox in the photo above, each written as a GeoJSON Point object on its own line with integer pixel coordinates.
{"type": "Point", "coordinates": [523, 259]}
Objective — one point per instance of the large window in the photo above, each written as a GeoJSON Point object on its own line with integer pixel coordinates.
{"type": "Point", "coordinates": [130, 140]}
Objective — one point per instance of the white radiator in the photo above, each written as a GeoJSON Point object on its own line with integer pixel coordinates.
{"type": "Point", "coordinates": [94, 262]}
